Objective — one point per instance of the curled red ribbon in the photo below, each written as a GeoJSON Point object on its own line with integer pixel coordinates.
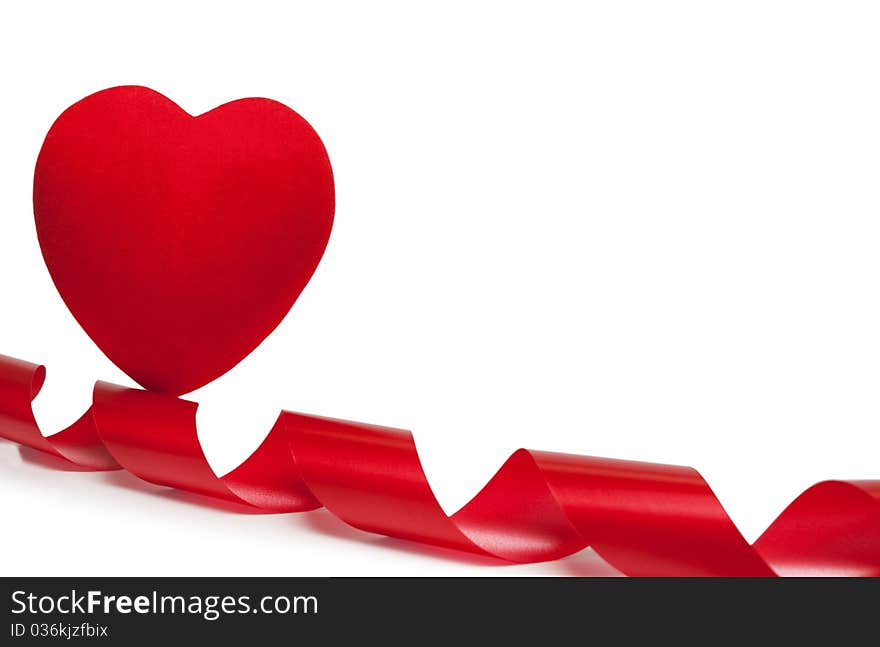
{"type": "Point", "coordinates": [644, 519]}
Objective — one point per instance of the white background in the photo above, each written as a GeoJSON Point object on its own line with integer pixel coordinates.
{"type": "Point", "coordinates": [637, 230]}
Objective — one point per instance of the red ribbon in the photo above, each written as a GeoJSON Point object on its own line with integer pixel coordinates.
{"type": "Point", "coordinates": [644, 519]}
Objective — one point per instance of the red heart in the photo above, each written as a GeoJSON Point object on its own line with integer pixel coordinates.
{"type": "Point", "coordinates": [178, 242]}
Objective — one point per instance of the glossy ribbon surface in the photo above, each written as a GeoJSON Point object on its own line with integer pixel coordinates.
{"type": "Point", "coordinates": [644, 519]}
